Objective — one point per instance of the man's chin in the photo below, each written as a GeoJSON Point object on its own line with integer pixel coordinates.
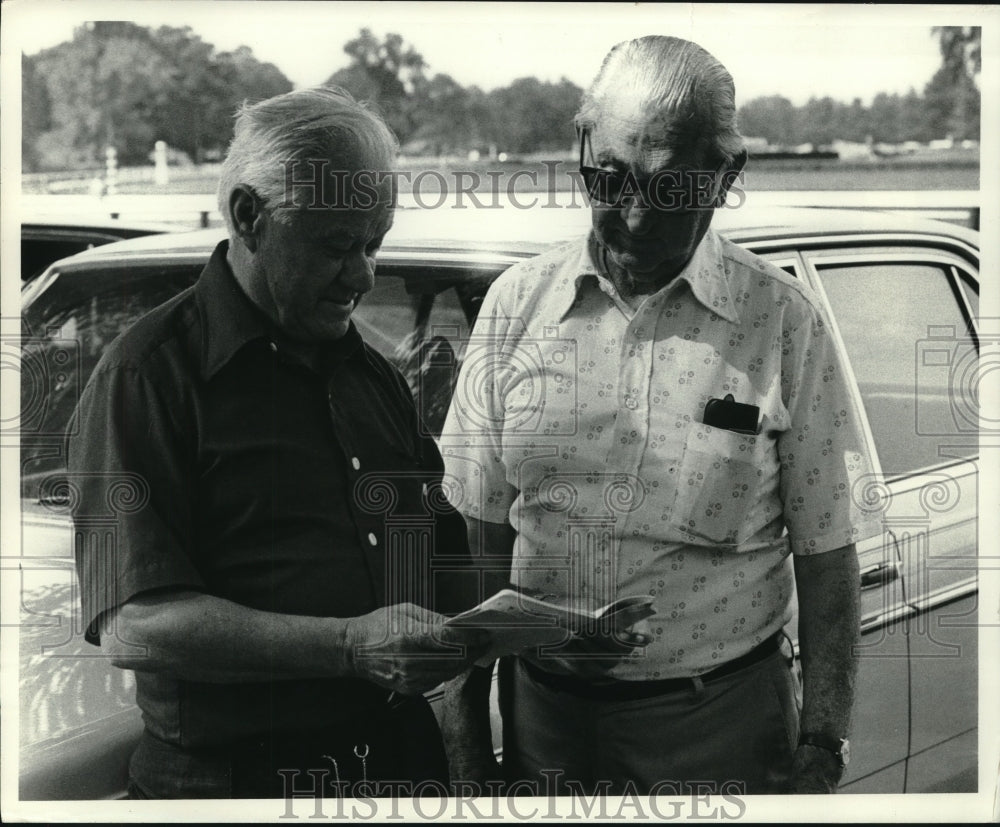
{"type": "Point", "coordinates": [332, 333]}
{"type": "Point", "coordinates": [640, 266]}
{"type": "Point", "coordinates": [332, 325]}
{"type": "Point", "coordinates": [319, 333]}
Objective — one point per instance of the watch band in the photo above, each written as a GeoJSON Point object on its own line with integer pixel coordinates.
{"type": "Point", "coordinates": [840, 747]}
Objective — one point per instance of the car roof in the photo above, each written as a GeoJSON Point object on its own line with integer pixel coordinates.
{"type": "Point", "coordinates": [126, 228]}
{"type": "Point", "coordinates": [526, 232]}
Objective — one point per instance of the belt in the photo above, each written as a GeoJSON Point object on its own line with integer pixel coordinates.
{"type": "Point", "coordinates": [637, 690]}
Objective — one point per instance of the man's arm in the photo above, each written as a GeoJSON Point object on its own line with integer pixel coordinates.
{"type": "Point", "coordinates": [195, 636]}
{"type": "Point", "coordinates": [828, 587]}
{"type": "Point", "coordinates": [465, 713]}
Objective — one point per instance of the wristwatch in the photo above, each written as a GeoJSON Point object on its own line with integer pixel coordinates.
{"type": "Point", "coordinates": [840, 747]}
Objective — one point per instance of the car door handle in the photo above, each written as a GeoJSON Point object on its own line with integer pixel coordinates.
{"type": "Point", "coordinates": [879, 575]}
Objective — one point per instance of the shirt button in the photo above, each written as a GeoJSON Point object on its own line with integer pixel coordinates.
{"type": "Point", "coordinates": [274, 347]}
{"type": "Point", "coordinates": [356, 463]}
{"type": "Point", "coordinates": [372, 539]}
{"type": "Point", "coordinates": [631, 403]}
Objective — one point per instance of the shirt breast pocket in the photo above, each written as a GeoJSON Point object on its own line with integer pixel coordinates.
{"type": "Point", "coordinates": [719, 480]}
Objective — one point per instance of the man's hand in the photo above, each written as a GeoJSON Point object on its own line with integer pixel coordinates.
{"type": "Point", "coordinates": [815, 770]}
{"type": "Point", "coordinates": [408, 649]}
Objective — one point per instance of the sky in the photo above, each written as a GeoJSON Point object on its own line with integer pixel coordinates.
{"type": "Point", "coordinates": [794, 50]}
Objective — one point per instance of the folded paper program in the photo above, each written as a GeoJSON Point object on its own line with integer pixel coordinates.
{"type": "Point", "coordinates": [518, 621]}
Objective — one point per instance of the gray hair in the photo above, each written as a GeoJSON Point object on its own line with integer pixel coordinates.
{"type": "Point", "coordinates": [685, 91]}
{"type": "Point", "coordinates": [273, 136]}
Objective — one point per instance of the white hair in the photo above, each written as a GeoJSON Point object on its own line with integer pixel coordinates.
{"type": "Point", "coordinates": [319, 125]}
{"type": "Point", "coordinates": [672, 86]}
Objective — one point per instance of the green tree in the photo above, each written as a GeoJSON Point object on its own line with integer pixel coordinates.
{"type": "Point", "coordinates": [125, 86]}
{"type": "Point", "coordinates": [961, 46]}
{"type": "Point", "coordinates": [887, 119]}
{"type": "Point", "coordinates": [190, 116]}
{"type": "Point", "coordinates": [913, 117]}
{"type": "Point", "coordinates": [952, 104]}
{"type": "Point", "coordinates": [485, 119]}
{"type": "Point", "coordinates": [855, 122]}
{"type": "Point", "coordinates": [771, 117]}
{"type": "Point", "coordinates": [445, 121]}
{"type": "Point", "coordinates": [205, 90]}
{"type": "Point", "coordinates": [817, 122]}
{"type": "Point", "coordinates": [533, 115]}
{"type": "Point", "coordinates": [952, 97]}
{"type": "Point", "coordinates": [101, 88]}
{"type": "Point", "coordinates": [387, 73]}
{"type": "Point", "coordinates": [36, 113]}
{"type": "Point", "coordinates": [248, 79]}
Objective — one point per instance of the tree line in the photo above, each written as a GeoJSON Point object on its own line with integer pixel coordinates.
{"type": "Point", "coordinates": [948, 106]}
{"type": "Point", "coordinates": [120, 85]}
{"type": "Point", "coordinates": [117, 84]}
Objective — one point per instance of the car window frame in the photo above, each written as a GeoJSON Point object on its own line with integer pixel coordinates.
{"type": "Point", "coordinates": [881, 250]}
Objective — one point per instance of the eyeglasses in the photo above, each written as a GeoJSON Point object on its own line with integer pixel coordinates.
{"type": "Point", "coordinates": [675, 190]}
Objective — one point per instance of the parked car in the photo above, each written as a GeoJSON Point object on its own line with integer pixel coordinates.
{"type": "Point", "coordinates": [48, 238]}
{"type": "Point", "coordinates": [904, 298]}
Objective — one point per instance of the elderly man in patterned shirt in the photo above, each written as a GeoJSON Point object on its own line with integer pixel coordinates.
{"type": "Point", "coordinates": [589, 464]}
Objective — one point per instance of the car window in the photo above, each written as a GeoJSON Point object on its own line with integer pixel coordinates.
{"type": "Point", "coordinates": [915, 362]}
{"type": "Point", "coordinates": [402, 303]}
{"type": "Point", "coordinates": [419, 319]}
{"type": "Point", "coordinates": [39, 253]}
{"type": "Point", "coordinates": [64, 333]}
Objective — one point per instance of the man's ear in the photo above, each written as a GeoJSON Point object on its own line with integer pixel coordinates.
{"type": "Point", "coordinates": [246, 212]}
{"type": "Point", "coordinates": [729, 174]}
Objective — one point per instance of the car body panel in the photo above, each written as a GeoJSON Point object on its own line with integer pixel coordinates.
{"type": "Point", "coordinates": [892, 779]}
{"type": "Point", "coordinates": [925, 447]}
{"type": "Point", "coordinates": [945, 769]}
{"type": "Point", "coordinates": [70, 767]}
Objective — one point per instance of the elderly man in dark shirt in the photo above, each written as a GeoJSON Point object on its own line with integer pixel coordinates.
{"type": "Point", "coordinates": [280, 639]}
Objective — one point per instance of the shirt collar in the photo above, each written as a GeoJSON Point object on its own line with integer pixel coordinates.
{"type": "Point", "coordinates": [230, 321]}
{"type": "Point", "coordinates": [583, 268]}
{"type": "Point", "coordinates": [705, 273]}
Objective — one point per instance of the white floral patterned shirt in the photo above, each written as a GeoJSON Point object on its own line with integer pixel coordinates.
{"type": "Point", "coordinates": [579, 420]}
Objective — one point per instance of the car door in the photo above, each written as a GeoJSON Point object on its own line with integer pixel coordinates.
{"type": "Point", "coordinates": [905, 315]}
{"type": "Point", "coordinates": [879, 736]}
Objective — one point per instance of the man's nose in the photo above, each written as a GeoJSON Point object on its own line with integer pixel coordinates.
{"type": "Point", "coordinates": [638, 217]}
{"type": "Point", "coordinates": [358, 272]}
